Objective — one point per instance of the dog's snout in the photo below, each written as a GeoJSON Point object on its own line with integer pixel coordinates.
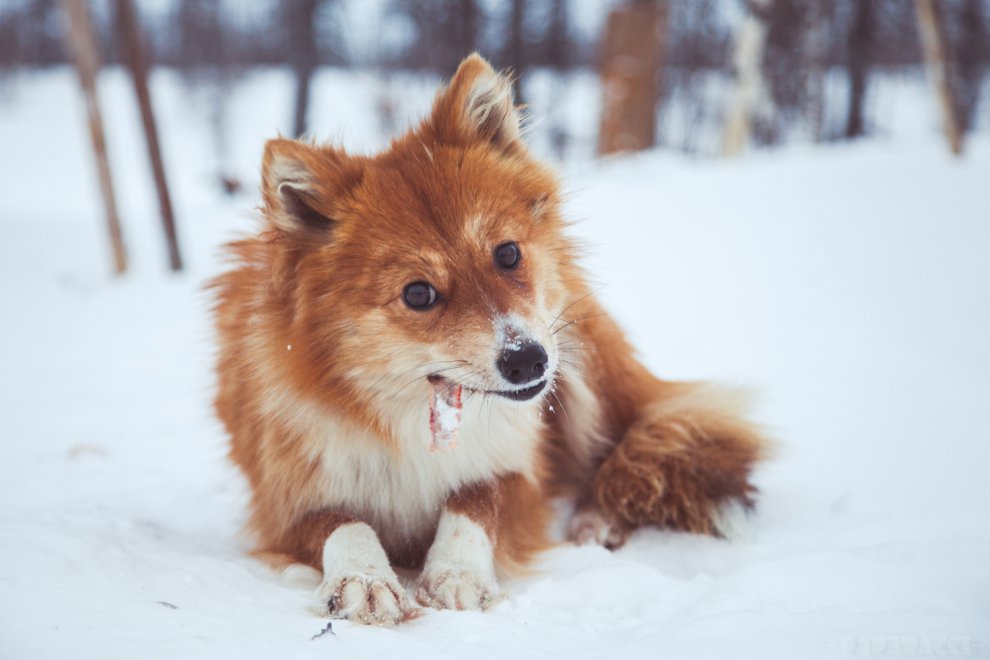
{"type": "Point", "coordinates": [524, 364]}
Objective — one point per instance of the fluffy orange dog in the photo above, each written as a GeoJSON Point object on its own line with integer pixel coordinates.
{"type": "Point", "coordinates": [390, 346]}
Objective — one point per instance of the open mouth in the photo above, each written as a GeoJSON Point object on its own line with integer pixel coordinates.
{"type": "Point", "coordinates": [446, 407]}
{"type": "Point", "coordinates": [525, 394]}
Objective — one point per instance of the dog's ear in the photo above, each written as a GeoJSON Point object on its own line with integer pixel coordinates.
{"type": "Point", "coordinates": [477, 105]}
{"type": "Point", "coordinates": [302, 184]}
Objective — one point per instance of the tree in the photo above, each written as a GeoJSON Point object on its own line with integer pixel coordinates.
{"type": "Point", "coordinates": [815, 58]}
{"type": "Point", "coordinates": [130, 32]}
{"type": "Point", "coordinates": [299, 21]}
{"type": "Point", "coordinates": [861, 39]}
{"type": "Point", "coordinates": [206, 57]}
{"type": "Point", "coordinates": [630, 81]}
{"type": "Point", "coordinates": [937, 63]}
{"type": "Point", "coordinates": [558, 48]}
{"type": "Point", "coordinates": [445, 32]}
{"type": "Point", "coordinates": [967, 38]}
{"type": "Point", "coordinates": [516, 56]}
{"type": "Point", "coordinates": [82, 44]}
{"type": "Point", "coordinates": [749, 90]}
{"type": "Point", "coordinates": [557, 39]}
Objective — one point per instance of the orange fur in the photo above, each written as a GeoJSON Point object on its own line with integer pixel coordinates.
{"type": "Point", "coordinates": [324, 371]}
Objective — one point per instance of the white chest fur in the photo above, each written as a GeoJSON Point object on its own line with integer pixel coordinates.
{"type": "Point", "coordinates": [400, 491]}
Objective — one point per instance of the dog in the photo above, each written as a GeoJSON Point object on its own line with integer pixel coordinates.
{"type": "Point", "coordinates": [412, 366]}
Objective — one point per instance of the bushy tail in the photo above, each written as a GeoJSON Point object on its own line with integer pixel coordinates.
{"type": "Point", "coordinates": [683, 463]}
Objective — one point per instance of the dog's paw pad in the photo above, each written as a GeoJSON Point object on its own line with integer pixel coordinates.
{"type": "Point", "coordinates": [458, 590]}
{"type": "Point", "coordinates": [364, 599]}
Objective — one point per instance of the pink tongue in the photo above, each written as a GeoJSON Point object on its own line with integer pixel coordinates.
{"type": "Point", "coordinates": [445, 414]}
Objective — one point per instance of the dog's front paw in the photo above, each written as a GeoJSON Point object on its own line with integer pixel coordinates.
{"type": "Point", "coordinates": [368, 599]}
{"type": "Point", "coordinates": [457, 589]}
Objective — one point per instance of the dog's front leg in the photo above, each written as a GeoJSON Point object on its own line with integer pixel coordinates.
{"type": "Point", "coordinates": [358, 581]}
{"type": "Point", "coordinates": [459, 573]}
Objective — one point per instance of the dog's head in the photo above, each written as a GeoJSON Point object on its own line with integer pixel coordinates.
{"type": "Point", "coordinates": [442, 257]}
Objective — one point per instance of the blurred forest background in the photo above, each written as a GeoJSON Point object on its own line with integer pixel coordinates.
{"type": "Point", "coordinates": [705, 77]}
{"type": "Point", "coordinates": [817, 60]}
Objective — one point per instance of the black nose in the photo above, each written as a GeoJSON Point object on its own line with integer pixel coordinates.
{"type": "Point", "coordinates": [524, 364]}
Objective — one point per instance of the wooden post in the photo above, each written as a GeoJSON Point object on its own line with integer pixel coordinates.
{"type": "Point", "coordinates": [82, 45]}
{"type": "Point", "coordinates": [127, 25]}
{"type": "Point", "coordinates": [937, 63]}
{"type": "Point", "coordinates": [630, 83]}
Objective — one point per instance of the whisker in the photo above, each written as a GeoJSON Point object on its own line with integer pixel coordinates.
{"type": "Point", "coordinates": [556, 318]}
{"type": "Point", "coordinates": [563, 311]}
{"type": "Point", "coordinates": [422, 376]}
{"type": "Point", "coordinates": [425, 365]}
{"type": "Point", "coordinates": [571, 345]}
{"type": "Point", "coordinates": [583, 318]}
{"type": "Point", "coordinates": [489, 399]}
{"type": "Point", "coordinates": [561, 404]}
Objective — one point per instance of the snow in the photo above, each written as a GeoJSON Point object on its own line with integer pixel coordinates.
{"type": "Point", "coordinates": [849, 285]}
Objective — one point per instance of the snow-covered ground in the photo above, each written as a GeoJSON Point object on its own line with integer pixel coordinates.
{"type": "Point", "coordinates": [848, 284]}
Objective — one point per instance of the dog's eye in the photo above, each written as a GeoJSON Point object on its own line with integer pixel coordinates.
{"type": "Point", "coordinates": [419, 295]}
{"type": "Point", "coordinates": [507, 255]}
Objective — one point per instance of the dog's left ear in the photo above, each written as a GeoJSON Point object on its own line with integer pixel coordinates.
{"type": "Point", "coordinates": [476, 106]}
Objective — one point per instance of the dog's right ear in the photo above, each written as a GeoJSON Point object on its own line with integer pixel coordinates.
{"type": "Point", "coordinates": [302, 185]}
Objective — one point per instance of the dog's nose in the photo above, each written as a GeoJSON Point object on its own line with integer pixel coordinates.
{"type": "Point", "coordinates": [524, 364]}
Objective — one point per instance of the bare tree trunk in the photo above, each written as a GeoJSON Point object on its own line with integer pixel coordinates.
{"type": "Point", "coordinates": [517, 45]}
{"type": "Point", "coordinates": [303, 79]}
{"type": "Point", "coordinates": [558, 42]}
{"type": "Point", "coordinates": [750, 88]}
{"type": "Point", "coordinates": [557, 51]}
{"type": "Point", "coordinates": [300, 23]}
{"type": "Point", "coordinates": [937, 63]}
{"type": "Point", "coordinates": [969, 59]}
{"type": "Point", "coordinates": [83, 47]}
{"type": "Point", "coordinates": [127, 24]}
{"type": "Point", "coordinates": [470, 24]}
{"type": "Point", "coordinates": [815, 55]}
{"type": "Point", "coordinates": [861, 38]}
{"type": "Point", "coordinates": [630, 83]}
